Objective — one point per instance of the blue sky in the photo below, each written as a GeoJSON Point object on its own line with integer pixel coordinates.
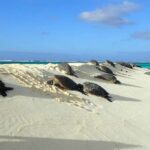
{"type": "Point", "coordinates": [75, 29]}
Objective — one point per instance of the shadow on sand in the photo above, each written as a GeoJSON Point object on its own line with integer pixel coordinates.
{"type": "Point", "coordinates": [30, 92]}
{"type": "Point", "coordinates": [124, 76]}
{"type": "Point", "coordinates": [123, 98]}
{"type": "Point", "coordinates": [130, 85]}
{"type": "Point", "coordinates": [34, 143]}
{"type": "Point", "coordinates": [25, 91]}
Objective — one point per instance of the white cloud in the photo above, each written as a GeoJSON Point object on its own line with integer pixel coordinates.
{"type": "Point", "coordinates": [111, 15]}
{"type": "Point", "coordinates": [143, 35]}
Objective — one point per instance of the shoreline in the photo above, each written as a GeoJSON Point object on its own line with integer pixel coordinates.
{"type": "Point", "coordinates": [140, 64]}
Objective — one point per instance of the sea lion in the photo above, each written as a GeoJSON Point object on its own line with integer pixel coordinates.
{"type": "Point", "coordinates": [135, 65]}
{"type": "Point", "coordinates": [110, 63]}
{"type": "Point", "coordinates": [148, 73]}
{"type": "Point", "coordinates": [95, 89]}
{"type": "Point", "coordinates": [108, 77]}
{"type": "Point", "coordinates": [126, 65]}
{"type": "Point", "coordinates": [64, 82]}
{"type": "Point", "coordinates": [94, 62]}
{"type": "Point", "coordinates": [105, 69]}
{"type": "Point", "coordinates": [4, 89]}
{"type": "Point", "coordinates": [66, 68]}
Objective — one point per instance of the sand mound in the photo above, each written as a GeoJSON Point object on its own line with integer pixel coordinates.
{"type": "Point", "coordinates": [37, 78]}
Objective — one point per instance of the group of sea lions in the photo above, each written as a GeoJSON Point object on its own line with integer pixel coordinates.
{"type": "Point", "coordinates": [108, 74]}
{"type": "Point", "coordinates": [86, 88]}
{"type": "Point", "coordinates": [126, 65]}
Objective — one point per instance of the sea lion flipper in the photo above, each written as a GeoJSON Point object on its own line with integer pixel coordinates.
{"type": "Point", "coordinates": [8, 88]}
{"type": "Point", "coordinates": [3, 93]}
{"type": "Point", "coordinates": [59, 86]}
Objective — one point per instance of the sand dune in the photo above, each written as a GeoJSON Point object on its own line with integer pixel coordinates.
{"type": "Point", "coordinates": [38, 116]}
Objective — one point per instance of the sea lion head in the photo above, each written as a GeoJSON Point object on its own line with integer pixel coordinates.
{"type": "Point", "coordinates": [80, 88]}
{"type": "Point", "coordinates": [50, 82]}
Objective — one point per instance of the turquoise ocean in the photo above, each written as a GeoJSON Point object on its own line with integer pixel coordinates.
{"type": "Point", "coordinates": [142, 65]}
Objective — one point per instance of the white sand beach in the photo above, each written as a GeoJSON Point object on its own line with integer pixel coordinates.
{"type": "Point", "coordinates": [39, 117]}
